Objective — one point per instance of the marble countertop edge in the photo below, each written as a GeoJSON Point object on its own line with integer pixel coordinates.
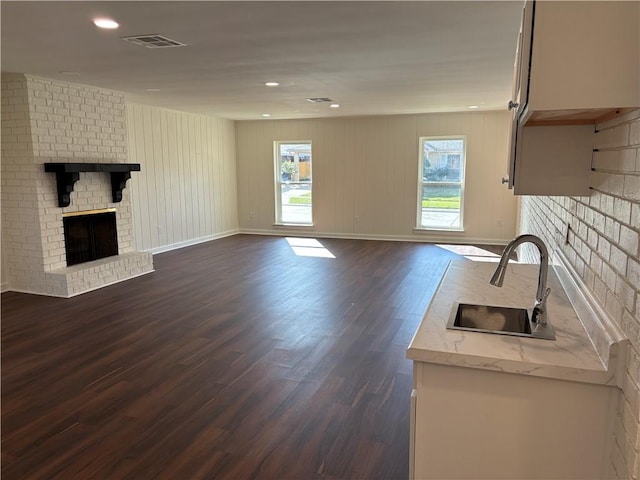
{"type": "Point", "coordinates": [598, 377]}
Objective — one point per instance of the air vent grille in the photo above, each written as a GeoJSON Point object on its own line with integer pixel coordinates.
{"type": "Point", "coordinates": [319, 100]}
{"type": "Point", "coordinates": [153, 41]}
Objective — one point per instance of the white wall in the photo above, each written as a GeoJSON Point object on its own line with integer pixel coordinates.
{"type": "Point", "coordinates": [365, 174]}
{"type": "Point", "coordinates": [4, 281]}
{"type": "Point", "coordinates": [185, 192]}
{"type": "Point", "coordinates": [604, 248]}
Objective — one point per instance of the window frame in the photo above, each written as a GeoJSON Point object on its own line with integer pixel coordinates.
{"type": "Point", "coordinates": [278, 181]}
{"type": "Point", "coordinates": [422, 183]}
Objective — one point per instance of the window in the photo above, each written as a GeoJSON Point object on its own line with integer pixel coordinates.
{"type": "Point", "coordinates": [441, 183]}
{"type": "Point", "coordinates": [293, 183]}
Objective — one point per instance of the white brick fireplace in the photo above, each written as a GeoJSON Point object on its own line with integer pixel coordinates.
{"type": "Point", "coordinates": [44, 121]}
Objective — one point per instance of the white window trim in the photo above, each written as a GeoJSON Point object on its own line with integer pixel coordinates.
{"type": "Point", "coordinates": [277, 182]}
{"type": "Point", "coordinates": [419, 227]}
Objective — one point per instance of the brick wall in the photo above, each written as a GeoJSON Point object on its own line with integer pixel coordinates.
{"type": "Point", "coordinates": [49, 121]}
{"type": "Point", "coordinates": [21, 235]}
{"type": "Point", "coordinates": [604, 248]}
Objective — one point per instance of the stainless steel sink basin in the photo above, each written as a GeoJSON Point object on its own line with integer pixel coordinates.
{"type": "Point", "coordinates": [494, 319]}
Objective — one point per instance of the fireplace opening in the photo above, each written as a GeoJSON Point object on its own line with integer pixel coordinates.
{"type": "Point", "coordinates": [90, 236]}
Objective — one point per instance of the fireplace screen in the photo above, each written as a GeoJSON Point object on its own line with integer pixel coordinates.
{"type": "Point", "coordinates": [90, 237]}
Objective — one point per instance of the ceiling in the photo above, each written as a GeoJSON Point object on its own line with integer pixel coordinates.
{"type": "Point", "coordinates": [372, 58]}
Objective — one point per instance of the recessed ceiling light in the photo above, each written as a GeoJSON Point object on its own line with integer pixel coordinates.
{"type": "Point", "coordinates": [64, 72]}
{"type": "Point", "coordinates": [473, 106]}
{"type": "Point", "coordinates": [272, 84]}
{"type": "Point", "coordinates": [105, 23]}
{"type": "Point", "coordinates": [265, 115]}
{"type": "Point", "coordinates": [335, 105]}
{"type": "Point", "coordinates": [152, 89]}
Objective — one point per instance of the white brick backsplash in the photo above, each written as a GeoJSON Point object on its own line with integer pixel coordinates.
{"type": "Point", "coordinates": [605, 249]}
{"type": "Point", "coordinates": [622, 210]}
{"type": "Point", "coordinates": [633, 273]}
{"type": "Point", "coordinates": [615, 160]}
{"type": "Point", "coordinates": [628, 161]}
{"type": "Point", "coordinates": [629, 240]}
{"type": "Point", "coordinates": [612, 227]}
{"type": "Point", "coordinates": [634, 133]}
{"type": "Point", "coordinates": [620, 137]}
{"type": "Point", "coordinates": [618, 260]}
{"type": "Point", "coordinates": [632, 187]}
{"type": "Point", "coordinates": [614, 306]}
{"type": "Point", "coordinates": [596, 263]}
{"type": "Point", "coordinates": [626, 294]}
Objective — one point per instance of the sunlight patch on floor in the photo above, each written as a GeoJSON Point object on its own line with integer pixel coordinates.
{"type": "Point", "coordinates": [309, 247]}
{"type": "Point", "coordinates": [473, 253]}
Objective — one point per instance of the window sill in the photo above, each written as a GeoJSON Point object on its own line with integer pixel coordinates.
{"type": "Point", "coordinates": [294, 225]}
{"type": "Point", "coordinates": [458, 231]}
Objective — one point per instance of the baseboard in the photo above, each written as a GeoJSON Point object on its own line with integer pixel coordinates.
{"type": "Point", "coordinates": [194, 241]}
{"type": "Point", "coordinates": [439, 237]}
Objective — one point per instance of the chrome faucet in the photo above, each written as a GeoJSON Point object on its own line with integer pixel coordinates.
{"type": "Point", "coordinates": [539, 316]}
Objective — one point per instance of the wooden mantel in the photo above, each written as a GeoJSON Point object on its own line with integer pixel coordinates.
{"type": "Point", "coordinates": [67, 174]}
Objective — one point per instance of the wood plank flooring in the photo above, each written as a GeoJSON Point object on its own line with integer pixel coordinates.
{"type": "Point", "coordinates": [236, 359]}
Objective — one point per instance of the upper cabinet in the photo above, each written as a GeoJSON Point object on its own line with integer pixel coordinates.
{"type": "Point", "coordinates": [577, 64]}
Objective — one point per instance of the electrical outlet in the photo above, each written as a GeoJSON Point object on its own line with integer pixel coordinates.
{"type": "Point", "coordinates": [499, 222]}
{"type": "Point", "coordinates": [252, 214]}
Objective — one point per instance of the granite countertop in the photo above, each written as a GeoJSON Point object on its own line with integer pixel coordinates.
{"type": "Point", "coordinates": [572, 356]}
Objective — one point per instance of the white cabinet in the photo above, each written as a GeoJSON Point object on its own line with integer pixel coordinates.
{"type": "Point", "coordinates": [577, 64]}
{"type": "Point", "coordinates": [478, 424]}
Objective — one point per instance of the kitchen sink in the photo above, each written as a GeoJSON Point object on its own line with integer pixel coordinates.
{"type": "Point", "coordinates": [493, 319]}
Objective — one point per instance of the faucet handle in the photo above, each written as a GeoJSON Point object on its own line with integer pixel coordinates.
{"type": "Point", "coordinates": [542, 301]}
{"type": "Point", "coordinates": [540, 309]}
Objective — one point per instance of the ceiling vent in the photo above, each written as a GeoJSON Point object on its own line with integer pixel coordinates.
{"type": "Point", "coordinates": [153, 41]}
{"type": "Point", "coordinates": [319, 100]}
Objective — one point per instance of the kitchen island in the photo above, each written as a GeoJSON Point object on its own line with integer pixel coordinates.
{"type": "Point", "coordinates": [498, 406]}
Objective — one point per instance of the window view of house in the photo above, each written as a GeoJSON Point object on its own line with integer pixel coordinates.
{"type": "Point", "coordinates": [441, 183]}
{"type": "Point", "coordinates": [293, 183]}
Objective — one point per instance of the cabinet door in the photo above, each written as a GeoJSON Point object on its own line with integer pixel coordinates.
{"type": "Point", "coordinates": [480, 424]}
{"type": "Point", "coordinates": [585, 56]}
{"type": "Point", "coordinates": [522, 66]}
{"type": "Point", "coordinates": [520, 91]}
{"type": "Point", "coordinates": [554, 160]}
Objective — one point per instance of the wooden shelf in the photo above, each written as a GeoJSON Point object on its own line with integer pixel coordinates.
{"type": "Point", "coordinates": [590, 116]}
{"type": "Point", "coordinates": [67, 174]}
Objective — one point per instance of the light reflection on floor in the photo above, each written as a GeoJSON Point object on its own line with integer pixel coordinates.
{"type": "Point", "coordinates": [309, 247]}
{"type": "Point", "coordinates": [476, 254]}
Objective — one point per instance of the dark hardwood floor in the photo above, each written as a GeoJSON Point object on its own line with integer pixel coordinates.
{"type": "Point", "coordinates": [236, 359]}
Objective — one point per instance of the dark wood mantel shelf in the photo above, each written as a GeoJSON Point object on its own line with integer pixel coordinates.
{"type": "Point", "coordinates": [67, 174]}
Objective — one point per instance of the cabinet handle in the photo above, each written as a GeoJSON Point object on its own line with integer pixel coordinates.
{"type": "Point", "coordinates": [505, 180]}
{"type": "Point", "coordinates": [512, 105]}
